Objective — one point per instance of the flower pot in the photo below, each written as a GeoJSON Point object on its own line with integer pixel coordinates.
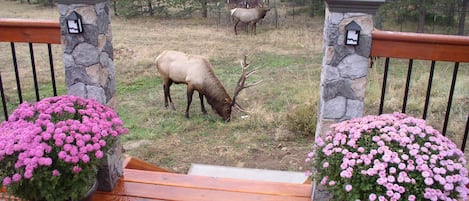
{"type": "Point", "coordinates": [89, 194]}
{"type": "Point", "coordinates": [111, 168]}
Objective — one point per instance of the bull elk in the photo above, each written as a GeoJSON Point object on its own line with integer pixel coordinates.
{"type": "Point", "coordinates": [250, 16]}
{"type": "Point", "coordinates": [198, 74]}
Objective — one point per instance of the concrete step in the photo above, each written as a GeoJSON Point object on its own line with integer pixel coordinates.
{"type": "Point", "coordinates": [248, 173]}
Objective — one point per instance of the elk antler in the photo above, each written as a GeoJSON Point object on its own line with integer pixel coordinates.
{"type": "Point", "coordinates": [241, 83]}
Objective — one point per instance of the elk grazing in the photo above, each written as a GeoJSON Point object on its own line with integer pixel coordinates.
{"type": "Point", "coordinates": [250, 16]}
{"type": "Point", "coordinates": [197, 73]}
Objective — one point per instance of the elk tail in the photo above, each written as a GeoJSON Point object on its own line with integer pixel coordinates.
{"type": "Point", "coordinates": [158, 57]}
{"type": "Point", "coordinates": [232, 11]}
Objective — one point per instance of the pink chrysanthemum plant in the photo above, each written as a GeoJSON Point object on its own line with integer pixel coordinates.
{"type": "Point", "coordinates": [389, 157]}
{"type": "Point", "coordinates": [50, 150]}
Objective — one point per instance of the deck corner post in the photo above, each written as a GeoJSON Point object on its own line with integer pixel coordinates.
{"type": "Point", "coordinates": [89, 67]}
{"type": "Point", "coordinates": [344, 67]}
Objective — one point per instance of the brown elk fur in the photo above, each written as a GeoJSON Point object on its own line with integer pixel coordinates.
{"type": "Point", "coordinates": [197, 73]}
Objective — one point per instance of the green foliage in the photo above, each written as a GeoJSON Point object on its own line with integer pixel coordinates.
{"type": "Point", "coordinates": [180, 8]}
{"type": "Point", "coordinates": [429, 12]}
{"type": "Point", "coordinates": [127, 8]}
{"type": "Point", "coordinates": [302, 120]}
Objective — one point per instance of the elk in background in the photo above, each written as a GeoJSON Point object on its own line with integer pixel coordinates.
{"type": "Point", "coordinates": [197, 73]}
{"type": "Point", "coordinates": [250, 16]}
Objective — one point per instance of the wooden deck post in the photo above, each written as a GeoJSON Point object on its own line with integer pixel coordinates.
{"type": "Point", "coordinates": [89, 68]}
{"type": "Point", "coordinates": [344, 67]}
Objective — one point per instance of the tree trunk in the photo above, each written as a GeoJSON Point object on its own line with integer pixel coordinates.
{"type": "Point", "coordinates": [422, 12]}
{"type": "Point", "coordinates": [150, 7]}
{"type": "Point", "coordinates": [311, 9]}
{"type": "Point", "coordinates": [114, 7]}
{"type": "Point", "coordinates": [462, 17]}
{"type": "Point", "coordinates": [204, 8]}
{"type": "Point", "coordinates": [451, 13]}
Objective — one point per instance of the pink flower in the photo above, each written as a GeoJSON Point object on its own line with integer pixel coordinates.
{"type": "Point", "coordinates": [99, 154]}
{"type": "Point", "coordinates": [76, 169]}
{"type": "Point", "coordinates": [372, 197]}
{"type": "Point", "coordinates": [85, 158]}
{"type": "Point", "coordinates": [55, 173]}
{"type": "Point", "coordinates": [6, 181]}
{"type": "Point", "coordinates": [324, 181]}
{"type": "Point", "coordinates": [16, 177]}
{"type": "Point", "coordinates": [428, 181]}
{"type": "Point", "coordinates": [28, 174]}
{"type": "Point", "coordinates": [348, 187]}
{"type": "Point", "coordinates": [325, 165]}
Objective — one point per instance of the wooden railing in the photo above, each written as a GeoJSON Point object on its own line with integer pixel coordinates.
{"type": "Point", "coordinates": [29, 31]}
{"type": "Point", "coordinates": [431, 47]}
{"type": "Point", "coordinates": [32, 32]}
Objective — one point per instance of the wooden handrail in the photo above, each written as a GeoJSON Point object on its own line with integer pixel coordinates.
{"type": "Point", "coordinates": [29, 30]}
{"type": "Point", "coordinates": [420, 46]}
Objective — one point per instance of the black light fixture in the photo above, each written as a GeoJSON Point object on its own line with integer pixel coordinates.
{"type": "Point", "coordinates": [352, 33]}
{"type": "Point", "coordinates": [74, 23]}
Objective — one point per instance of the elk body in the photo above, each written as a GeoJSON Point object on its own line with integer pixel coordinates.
{"type": "Point", "coordinates": [250, 16]}
{"type": "Point", "coordinates": [197, 73]}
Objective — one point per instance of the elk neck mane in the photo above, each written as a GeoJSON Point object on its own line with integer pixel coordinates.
{"type": "Point", "coordinates": [213, 89]}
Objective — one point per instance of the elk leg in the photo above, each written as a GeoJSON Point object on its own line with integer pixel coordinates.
{"type": "Point", "coordinates": [167, 94]}
{"type": "Point", "coordinates": [254, 28]}
{"type": "Point", "coordinates": [190, 92]}
{"type": "Point", "coordinates": [247, 27]}
{"type": "Point", "coordinates": [236, 24]}
{"type": "Point", "coordinates": [201, 96]}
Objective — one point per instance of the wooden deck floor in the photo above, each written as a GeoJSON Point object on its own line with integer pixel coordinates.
{"type": "Point", "coordinates": [151, 185]}
{"type": "Point", "coordinates": [144, 182]}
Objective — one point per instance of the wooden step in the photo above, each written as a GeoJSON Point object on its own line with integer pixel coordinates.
{"type": "Point", "coordinates": [151, 185]}
{"type": "Point", "coordinates": [248, 173]}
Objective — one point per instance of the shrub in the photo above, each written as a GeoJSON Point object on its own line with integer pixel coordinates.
{"type": "Point", "coordinates": [50, 150]}
{"type": "Point", "coordinates": [389, 157]}
{"type": "Point", "coordinates": [302, 120]}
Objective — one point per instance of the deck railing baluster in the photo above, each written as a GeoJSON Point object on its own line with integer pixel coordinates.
{"type": "Point", "coordinates": [466, 133]}
{"type": "Point", "coordinates": [450, 97]}
{"type": "Point", "coordinates": [383, 87]}
{"type": "Point", "coordinates": [17, 74]}
{"type": "Point", "coordinates": [429, 89]}
{"type": "Point", "coordinates": [407, 84]}
{"type": "Point", "coordinates": [4, 103]}
{"type": "Point", "coordinates": [52, 73]}
{"type": "Point", "coordinates": [33, 66]}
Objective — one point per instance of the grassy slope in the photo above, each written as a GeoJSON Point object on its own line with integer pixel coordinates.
{"type": "Point", "coordinates": [288, 62]}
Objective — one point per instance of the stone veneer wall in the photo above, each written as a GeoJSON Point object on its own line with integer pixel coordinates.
{"type": "Point", "coordinates": [88, 57]}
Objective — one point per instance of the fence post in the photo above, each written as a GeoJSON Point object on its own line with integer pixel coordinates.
{"type": "Point", "coordinates": [89, 67]}
{"type": "Point", "coordinates": [344, 67]}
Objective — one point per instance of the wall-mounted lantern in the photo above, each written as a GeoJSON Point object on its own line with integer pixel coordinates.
{"type": "Point", "coordinates": [352, 33]}
{"type": "Point", "coordinates": [74, 23]}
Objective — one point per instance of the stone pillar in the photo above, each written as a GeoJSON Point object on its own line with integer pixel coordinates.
{"type": "Point", "coordinates": [88, 56]}
{"type": "Point", "coordinates": [344, 67]}
{"type": "Point", "coordinates": [89, 68]}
